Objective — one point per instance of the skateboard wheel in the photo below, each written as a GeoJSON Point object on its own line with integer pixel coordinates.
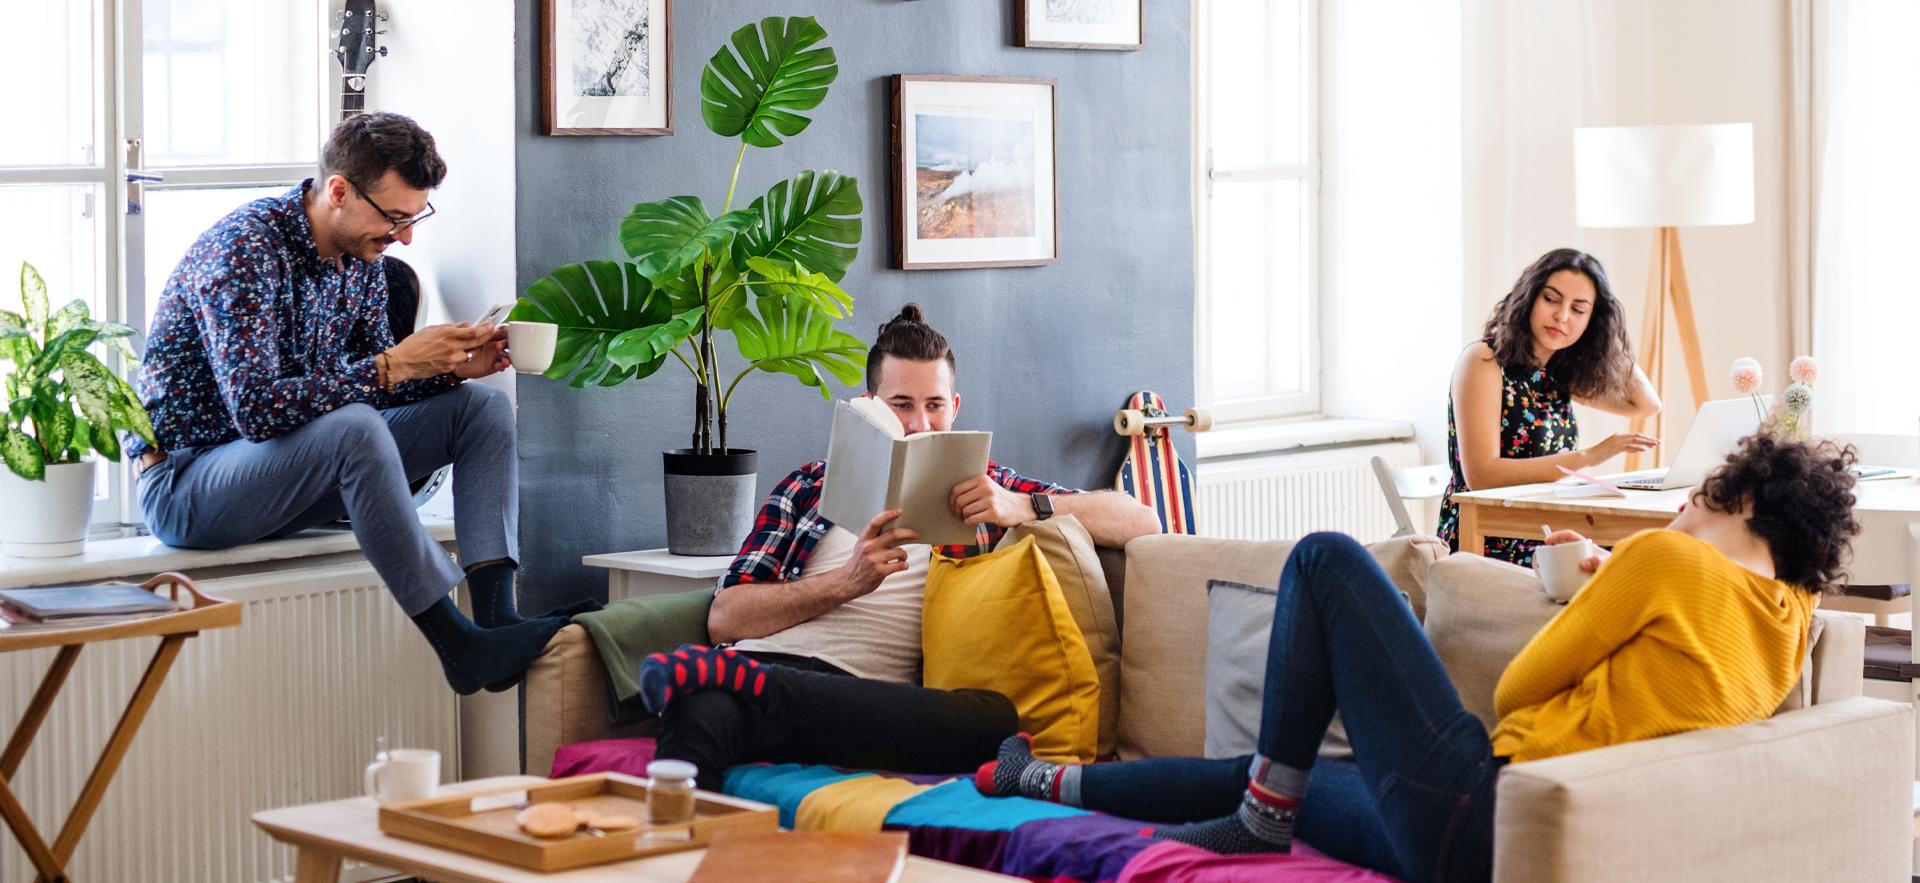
{"type": "Point", "coordinates": [1129, 422]}
{"type": "Point", "coordinates": [1199, 419]}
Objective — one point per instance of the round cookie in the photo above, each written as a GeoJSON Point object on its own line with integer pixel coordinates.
{"type": "Point", "coordinates": [548, 820]}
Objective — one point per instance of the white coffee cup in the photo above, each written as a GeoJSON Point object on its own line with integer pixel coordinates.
{"type": "Point", "coordinates": [1559, 568]}
{"type": "Point", "coordinates": [531, 345]}
{"type": "Point", "coordinates": [404, 774]}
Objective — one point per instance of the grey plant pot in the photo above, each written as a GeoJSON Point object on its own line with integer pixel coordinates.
{"type": "Point", "coordinates": [709, 500]}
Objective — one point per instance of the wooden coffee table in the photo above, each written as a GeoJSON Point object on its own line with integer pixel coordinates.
{"type": "Point", "coordinates": [325, 834]}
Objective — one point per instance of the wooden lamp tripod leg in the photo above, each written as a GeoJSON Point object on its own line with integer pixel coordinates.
{"type": "Point", "coordinates": [1652, 336]}
{"type": "Point", "coordinates": [1667, 283]}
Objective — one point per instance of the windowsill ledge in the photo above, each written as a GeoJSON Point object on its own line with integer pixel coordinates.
{"type": "Point", "coordinates": [1285, 436]}
{"type": "Point", "coordinates": [136, 558]}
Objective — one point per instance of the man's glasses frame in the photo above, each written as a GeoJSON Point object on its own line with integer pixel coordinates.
{"type": "Point", "coordinates": [399, 224]}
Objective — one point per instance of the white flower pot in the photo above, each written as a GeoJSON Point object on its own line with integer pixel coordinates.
{"type": "Point", "coordinates": [49, 518]}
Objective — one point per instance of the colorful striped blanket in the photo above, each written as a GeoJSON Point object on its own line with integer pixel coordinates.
{"type": "Point", "coordinates": [947, 819]}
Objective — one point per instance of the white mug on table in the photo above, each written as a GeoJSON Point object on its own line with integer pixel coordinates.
{"type": "Point", "coordinates": [404, 774]}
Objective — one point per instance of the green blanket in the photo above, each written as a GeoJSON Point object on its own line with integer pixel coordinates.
{"type": "Point", "coordinates": [626, 631]}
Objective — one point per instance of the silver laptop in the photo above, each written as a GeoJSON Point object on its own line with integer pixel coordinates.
{"type": "Point", "coordinates": [1715, 432]}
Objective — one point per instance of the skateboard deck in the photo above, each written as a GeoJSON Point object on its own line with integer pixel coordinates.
{"type": "Point", "coordinates": [1153, 472]}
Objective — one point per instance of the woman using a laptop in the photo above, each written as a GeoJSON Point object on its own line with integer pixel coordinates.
{"type": "Point", "coordinates": [1557, 338]}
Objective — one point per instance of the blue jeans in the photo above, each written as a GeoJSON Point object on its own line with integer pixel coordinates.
{"type": "Point", "coordinates": [355, 462]}
{"type": "Point", "coordinates": [1417, 800]}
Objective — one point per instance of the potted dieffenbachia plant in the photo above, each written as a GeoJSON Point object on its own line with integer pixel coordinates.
{"type": "Point", "coordinates": [62, 405]}
{"type": "Point", "coordinates": [765, 276]}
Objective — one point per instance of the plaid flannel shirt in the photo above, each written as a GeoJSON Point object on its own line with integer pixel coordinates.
{"type": "Point", "coordinates": [790, 525]}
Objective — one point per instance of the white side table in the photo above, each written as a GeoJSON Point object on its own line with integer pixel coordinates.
{"type": "Point", "coordinates": [656, 572]}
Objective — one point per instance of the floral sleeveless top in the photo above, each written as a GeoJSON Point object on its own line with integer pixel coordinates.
{"type": "Point", "coordinates": [1536, 419]}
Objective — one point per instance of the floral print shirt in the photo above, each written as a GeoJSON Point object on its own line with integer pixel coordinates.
{"type": "Point", "coordinates": [1536, 420]}
{"type": "Point", "coordinates": [256, 334]}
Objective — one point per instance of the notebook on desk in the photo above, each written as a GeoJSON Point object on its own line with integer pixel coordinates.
{"type": "Point", "coordinates": [1715, 432]}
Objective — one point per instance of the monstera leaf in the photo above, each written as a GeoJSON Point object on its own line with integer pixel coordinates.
{"type": "Point", "coordinates": [793, 280]}
{"type": "Point", "coordinates": [594, 302]}
{"type": "Point", "coordinates": [668, 236]}
{"type": "Point", "coordinates": [756, 87]}
{"type": "Point", "coordinates": [788, 335]}
{"type": "Point", "coordinates": [812, 220]}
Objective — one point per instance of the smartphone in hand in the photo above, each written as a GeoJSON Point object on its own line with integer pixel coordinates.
{"type": "Point", "coordinates": [493, 315]}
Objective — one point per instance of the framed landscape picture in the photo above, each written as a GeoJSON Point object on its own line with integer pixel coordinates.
{"type": "Point", "coordinates": [609, 67]}
{"type": "Point", "coordinates": [973, 172]}
{"type": "Point", "coordinates": [1080, 24]}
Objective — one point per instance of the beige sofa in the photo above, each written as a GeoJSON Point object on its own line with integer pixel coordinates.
{"type": "Point", "coordinates": [1818, 792]}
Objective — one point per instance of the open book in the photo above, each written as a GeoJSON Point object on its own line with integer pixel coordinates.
{"type": "Point", "coordinates": [873, 466]}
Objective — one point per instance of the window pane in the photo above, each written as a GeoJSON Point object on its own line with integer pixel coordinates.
{"type": "Point", "coordinates": [1256, 60]}
{"type": "Point", "coordinates": [51, 103]}
{"type": "Point", "coordinates": [175, 218]}
{"type": "Point", "coordinates": [231, 81]}
{"type": "Point", "coordinates": [1259, 337]}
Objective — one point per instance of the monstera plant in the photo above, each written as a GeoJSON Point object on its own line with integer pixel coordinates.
{"type": "Point", "coordinates": [62, 402]}
{"type": "Point", "coordinates": [765, 276]}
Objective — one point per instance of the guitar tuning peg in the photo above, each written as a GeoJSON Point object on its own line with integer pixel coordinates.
{"type": "Point", "coordinates": [383, 52]}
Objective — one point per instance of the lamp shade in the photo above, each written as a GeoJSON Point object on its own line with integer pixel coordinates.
{"type": "Point", "coordinates": [1663, 176]}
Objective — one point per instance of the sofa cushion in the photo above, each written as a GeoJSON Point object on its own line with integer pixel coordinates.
{"type": "Point", "coordinates": [1075, 561]}
{"type": "Point", "coordinates": [1480, 614]}
{"type": "Point", "coordinates": [1000, 622]}
{"type": "Point", "coordinates": [1164, 629]}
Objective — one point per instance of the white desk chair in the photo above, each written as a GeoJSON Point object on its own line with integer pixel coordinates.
{"type": "Point", "coordinates": [1411, 483]}
{"type": "Point", "coordinates": [1880, 602]}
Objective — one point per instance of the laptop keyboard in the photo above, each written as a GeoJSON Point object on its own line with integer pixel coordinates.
{"type": "Point", "coordinates": [1645, 480]}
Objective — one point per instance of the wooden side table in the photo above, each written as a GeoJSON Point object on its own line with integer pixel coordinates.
{"type": "Point", "coordinates": [328, 833]}
{"type": "Point", "coordinates": [173, 629]}
{"type": "Point", "coordinates": [656, 572]}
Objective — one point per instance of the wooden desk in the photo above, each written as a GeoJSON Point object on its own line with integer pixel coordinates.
{"type": "Point", "coordinates": [173, 629]}
{"type": "Point", "coordinates": [326, 833]}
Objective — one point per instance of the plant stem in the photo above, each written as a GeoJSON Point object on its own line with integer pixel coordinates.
{"type": "Point", "coordinates": [737, 160]}
{"type": "Point", "coordinates": [728, 397]}
{"type": "Point", "coordinates": [697, 376]}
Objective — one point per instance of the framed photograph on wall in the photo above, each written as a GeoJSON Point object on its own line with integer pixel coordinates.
{"type": "Point", "coordinates": [609, 67]}
{"type": "Point", "coordinates": [1080, 24]}
{"type": "Point", "coordinates": [973, 172]}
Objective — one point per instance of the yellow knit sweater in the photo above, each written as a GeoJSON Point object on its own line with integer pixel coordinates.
{"type": "Point", "coordinates": [1669, 636]}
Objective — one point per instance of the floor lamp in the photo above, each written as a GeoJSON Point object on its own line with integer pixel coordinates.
{"type": "Point", "coordinates": [1665, 177]}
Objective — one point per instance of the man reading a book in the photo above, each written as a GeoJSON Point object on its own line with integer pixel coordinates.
{"type": "Point", "coordinates": [282, 401]}
{"type": "Point", "coordinates": [818, 626]}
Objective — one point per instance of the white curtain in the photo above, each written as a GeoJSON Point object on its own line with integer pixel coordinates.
{"type": "Point", "coordinates": [1865, 77]}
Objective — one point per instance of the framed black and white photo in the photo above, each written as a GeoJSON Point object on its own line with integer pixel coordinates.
{"type": "Point", "coordinates": [609, 67]}
{"type": "Point", "coordinates": [1080, 24]}
{"type": "Point", "coordinates": [973, 172]}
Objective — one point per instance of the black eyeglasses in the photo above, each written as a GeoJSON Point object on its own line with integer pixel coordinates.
{"type": "Point", "coordinates": [399, 224]}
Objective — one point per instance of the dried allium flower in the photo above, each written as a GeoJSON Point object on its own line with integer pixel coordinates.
{"type": "Point", "coordinates": [1746, 375]}
{"type": "Point", "coordinates": [1799, 397]}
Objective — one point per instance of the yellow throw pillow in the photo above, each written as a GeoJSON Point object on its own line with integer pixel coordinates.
{"type": "Point", "coordinates": [999, 622]}
{"type": "Point", "coordinates": [1075, 561]}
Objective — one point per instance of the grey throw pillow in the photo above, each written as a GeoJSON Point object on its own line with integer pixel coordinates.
{"type": "Point", "coordinates": [1239, 623]}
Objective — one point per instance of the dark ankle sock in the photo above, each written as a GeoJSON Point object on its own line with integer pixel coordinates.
{"type": "Point", "coordinates": [569, 611]}
{"type": "Point", "coordinates": [1263, 823]}
{"type": "Point", "coordinates": [1017, 773]}
{"type": "Point", "coordinates": [693, 668]}
{"type": "Point", "coordinates": [472, 657]}
{"type": "Point", "coordinates": [491, 588]}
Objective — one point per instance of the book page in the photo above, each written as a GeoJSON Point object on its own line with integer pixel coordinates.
{"type": "Point", "coordinates": [933, 464]}
{"type": "Point", "coordinates": [860, 467]}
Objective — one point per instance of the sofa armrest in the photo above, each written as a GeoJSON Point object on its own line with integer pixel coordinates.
{"type": "Point", "coordinates": [1822, 793]}
{"type": "Point", "coordinates": [565, 701]}
{"type": "Point", "coordinates": [1839, 657]}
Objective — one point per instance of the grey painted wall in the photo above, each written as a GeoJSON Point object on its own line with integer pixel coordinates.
{"type": "Point", "coordinates": [1046, 354]}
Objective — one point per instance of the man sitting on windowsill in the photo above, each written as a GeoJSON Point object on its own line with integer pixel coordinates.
{"type": "Point", "coordinates": [819, 629]}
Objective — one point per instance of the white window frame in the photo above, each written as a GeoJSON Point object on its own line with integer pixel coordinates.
{"type": "Point", "coordinates": [1305, 402]}
{"type": "Point", "coordinates": [120, 275]}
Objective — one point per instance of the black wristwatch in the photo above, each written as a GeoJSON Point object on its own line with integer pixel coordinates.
{"type": "Point", "coordinates": [1042, 506]}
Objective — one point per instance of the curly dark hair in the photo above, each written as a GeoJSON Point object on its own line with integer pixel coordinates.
{"type": "Point", "coordinates": [906, 336]}
{"type": "Point", "coordinates": [1799, 499]}
{"type": "Point", "coordinates": [1600, 363]}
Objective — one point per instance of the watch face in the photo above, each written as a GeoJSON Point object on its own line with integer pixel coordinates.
{"type": "Point", "coordinates": [1042, 506]}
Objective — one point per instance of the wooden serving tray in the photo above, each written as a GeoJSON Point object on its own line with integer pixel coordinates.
{"type": "Point", "coordinates": [481, 823]}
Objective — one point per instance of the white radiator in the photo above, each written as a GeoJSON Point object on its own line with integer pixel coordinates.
{"type": "Point", "coordinates": [282, 710]}
{"type": "Point", "coordinates": [1290, 495]}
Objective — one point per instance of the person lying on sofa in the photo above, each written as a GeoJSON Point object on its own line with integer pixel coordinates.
{"type": "Point", "coordinates": [282, 401]}
{"type": "Point", "coordinates": [1559, 337]}
{"type": "Point", "coordinates": [1702, 624]}
{"type": "Point", "coordinates": [818, 627]}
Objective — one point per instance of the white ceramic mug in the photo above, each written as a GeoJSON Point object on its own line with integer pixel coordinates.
{"type": "Point", "coordinates": [531, 345]}
{"type": "Point", "coordinates": [404, 774]}
{"type": "Point", "coordinates": [1559, 568]}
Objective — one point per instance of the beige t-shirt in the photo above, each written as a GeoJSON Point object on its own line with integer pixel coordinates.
{"type": "Point", "coordinates": [876, 635]}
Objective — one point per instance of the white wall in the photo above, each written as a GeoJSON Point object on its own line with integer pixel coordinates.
{"type": "Point", "coordinates": [450, 67]}
{"type": "Point", "coordinates": [1391, 186]}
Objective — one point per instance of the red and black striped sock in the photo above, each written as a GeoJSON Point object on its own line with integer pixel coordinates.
{"type": "Point", "coordinates": [692, 668]}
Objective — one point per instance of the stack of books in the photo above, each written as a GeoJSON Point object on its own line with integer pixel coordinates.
{"type": "Point", "coordinates": [72, 606]}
